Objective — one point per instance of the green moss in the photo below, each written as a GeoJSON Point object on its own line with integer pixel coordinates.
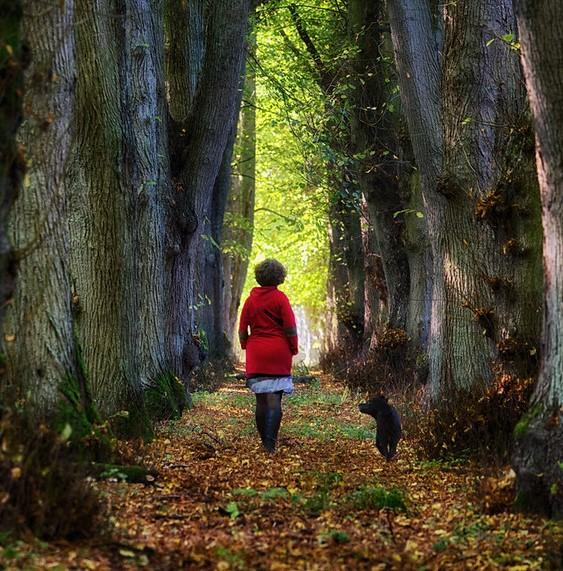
{"type": "Point", "coordinates": [377, 497]}
{"type": "Point", "coordinates": [81, 424]}
{"type": "Point", "coordinates": [131, 473]}
{"type": "Point", "coordinates": [522, 502]}
{"type": "Point", "coordinates": [521, 428]}
{"type": "Point", "coordinates": [166, 398]}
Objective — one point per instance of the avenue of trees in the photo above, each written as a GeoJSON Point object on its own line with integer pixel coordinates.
{"type": "Point", "coordinates": [412, 154]}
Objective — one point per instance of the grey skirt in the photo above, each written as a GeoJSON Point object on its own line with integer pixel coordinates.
{"type": "Point", "coordinates": [270, 384]}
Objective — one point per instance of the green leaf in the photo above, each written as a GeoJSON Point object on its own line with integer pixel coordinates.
{"type": "Point", "coordinates": [233, 510]}
{"type": "Point", "coordinates": [126, 553]}
{"type": "Point", "coordinates": [66, 432]}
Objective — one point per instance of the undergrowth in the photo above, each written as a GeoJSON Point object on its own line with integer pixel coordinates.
{"type": "Point", "coordinates": [43, 488]}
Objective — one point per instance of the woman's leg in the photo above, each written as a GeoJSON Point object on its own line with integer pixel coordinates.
{"type": "Point", "coordinates": [261, 408]}
{"type": "Point", "coordinates": [268, 418]}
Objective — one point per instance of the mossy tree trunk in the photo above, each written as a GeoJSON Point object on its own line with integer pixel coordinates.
{"type": "Point", "coordinates": [538, 457]}
{"type": "Point", "coordinates": [467, 119]}
{"type": "Point", "coordinates": [117, 201]}
{"type": "Point", "coordinates": [122, 162]}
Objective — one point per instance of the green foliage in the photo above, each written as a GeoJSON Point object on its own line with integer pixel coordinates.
{"type": "Point", "coordinates": [377, 497]}
{"type": "Point", "coordinates": [524, 423]}
{"type": "Point", "coordinates": [292, 190]}
{"type": "Point", "coordinates": [165, 398]}
{"type": "Point", "coordinates": [232, 510]}
{"type": "Point", "coordinates": [78, 421]}
{"type": "Point", "coordinates": [235, 559]}
{"type": "Point", "coordinates": [328, 430]}
{"type": "Point", "coordinates": [316, 504]}
{"type": "Point", "coordinates": [335, 535]}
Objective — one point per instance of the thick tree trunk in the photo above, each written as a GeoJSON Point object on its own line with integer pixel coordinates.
{"type": "Point", "coordinates": [104, 238]}
{"type": "Point", "coordinates": [197, 155]}
{"type": "Point", "coordinates": [483, 275]}
{"type": "Point", "coordinates": [540, 434]}
{"type": "Point", "coordinates": [104, 204]}
{"type": "Point", "coordinates": [38, 334]}
{"type": "Point", "coordinates": [147, 176]}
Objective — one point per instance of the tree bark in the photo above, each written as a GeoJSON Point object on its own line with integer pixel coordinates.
{"type": "Point", "coordinates": [196, 164]}
{"type": "Point", "coordinates": [460, 108]}
{"type": "Point", "coordinates": [375, 138]}
{"type": "Point", "coordinates": [540, 434]}
{"type": "Point", "coordinates": [239, 222]}
{"type": "Point", "coordinates": [38, 335]}
{"type": "Point", "coordinates": [345, 275]}
{"type": "Point", "coordinates": [104, 204]}
{"type": "Point", "coordinates": [12, 163]}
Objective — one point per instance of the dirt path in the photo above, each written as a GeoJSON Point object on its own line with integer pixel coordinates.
{"type": "Point", "coordinates": [325, 500]}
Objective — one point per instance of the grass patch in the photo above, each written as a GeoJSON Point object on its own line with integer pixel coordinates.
{"type": "Point", "coordinates": [335, 536]}
{"type": "Point", "coordinates": [377, 497]}
{"type": "Point", "coordinates": [235, 559]}
{"type": "Point", "coordinates": [314, 396]}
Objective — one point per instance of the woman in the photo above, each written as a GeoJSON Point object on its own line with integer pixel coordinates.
{"type": "Point", "coordinates": [269, 348]}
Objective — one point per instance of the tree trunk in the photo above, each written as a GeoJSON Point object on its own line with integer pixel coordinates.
{"type": "Point", "coordinates": [211, 280]}
{"type": "Point", "coordinates": [197, 155]}
{"type": "Point", "coordinates": [104, 204]}
{"type": "Point", "coordinates": [346, 275]}
{"type": "Point", "coordinates": [12, 164]}
{"type": "Point", "coordinates": [540, 434]}
{"type": "Point", "coordinates": [375, 137]}
{"type": "Point", "coordinates": [375, 286]}
{"type": "Point", "coordinates": [38, 335]}
{"type": "Point", "coordinates": [483, 276]}
{"type": "Point", "coordinates": [239, 222]}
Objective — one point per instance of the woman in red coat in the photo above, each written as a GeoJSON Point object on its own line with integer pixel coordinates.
{"type": "Point", "coordinates": [269, 347]}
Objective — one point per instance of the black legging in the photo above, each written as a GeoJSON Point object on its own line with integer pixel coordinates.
{"type": "Point", "coordinates": [268, 418]}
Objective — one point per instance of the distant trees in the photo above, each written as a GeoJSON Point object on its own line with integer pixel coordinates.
{"type": "Point", "coordinates": [123, 147]}
{"type": "Point", "coordinates": [540, 433]}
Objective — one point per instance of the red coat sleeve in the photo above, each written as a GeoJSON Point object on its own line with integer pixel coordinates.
{"type": "Point", "coordinates": [289, 325]}
{"type": "Point", "coordinates": [244, 323]}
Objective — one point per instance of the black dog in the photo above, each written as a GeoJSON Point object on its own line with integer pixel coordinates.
{"type": "Point", "coordinates": [388, 421]}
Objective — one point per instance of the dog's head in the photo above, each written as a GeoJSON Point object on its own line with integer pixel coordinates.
{"type": "Point", "coordinates": [374, 406]}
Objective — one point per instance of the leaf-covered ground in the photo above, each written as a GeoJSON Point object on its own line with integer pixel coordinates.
{"type": "Point", "coordinates": [325, 500]}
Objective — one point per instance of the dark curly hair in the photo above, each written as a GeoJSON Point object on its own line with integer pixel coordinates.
{"type": "Point", "coordinates": [270, 273]}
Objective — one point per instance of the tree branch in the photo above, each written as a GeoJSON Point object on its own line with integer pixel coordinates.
{"type": "Point", "coordinates": [324, 77]}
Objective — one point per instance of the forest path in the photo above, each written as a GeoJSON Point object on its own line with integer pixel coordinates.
{"type": "Point", "coordinates": [219, 502]}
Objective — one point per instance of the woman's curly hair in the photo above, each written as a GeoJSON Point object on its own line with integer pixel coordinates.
{"type": "Point", "coordinates": [270, 273]}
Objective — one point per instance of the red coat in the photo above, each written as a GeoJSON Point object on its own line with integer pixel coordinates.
{"type": "Point", "coordinates": [273, 334]}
